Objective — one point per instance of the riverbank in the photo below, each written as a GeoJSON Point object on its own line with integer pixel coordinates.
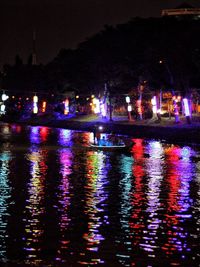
{"type": "Point", "coordinates": [167, 129]}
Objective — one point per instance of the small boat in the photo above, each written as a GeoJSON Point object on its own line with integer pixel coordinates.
{"type": "Point", "coordinates": [107, 143]}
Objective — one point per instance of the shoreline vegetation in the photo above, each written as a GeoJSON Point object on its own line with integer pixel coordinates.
{"type": "Point", "coordinates": [166, 130]}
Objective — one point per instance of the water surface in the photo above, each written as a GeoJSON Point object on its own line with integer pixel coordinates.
{"type": "Point", "coordinates": [63, 204]}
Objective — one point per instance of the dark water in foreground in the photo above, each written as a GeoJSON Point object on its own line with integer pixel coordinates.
{"type": "Point", "coordinates": [62, 204]}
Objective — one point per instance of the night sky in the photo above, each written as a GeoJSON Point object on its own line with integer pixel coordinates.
{"type": "Point", "coordinates": [65, 23]}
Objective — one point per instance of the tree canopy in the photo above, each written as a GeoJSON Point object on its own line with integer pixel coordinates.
{"type": "Point", "coordinates": [164, 51]}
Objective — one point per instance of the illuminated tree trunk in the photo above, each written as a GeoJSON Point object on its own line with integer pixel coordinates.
{"type": "Point", "coordinates": [176, 112]}
{"type": "Point", "coordinates": [139, 101]}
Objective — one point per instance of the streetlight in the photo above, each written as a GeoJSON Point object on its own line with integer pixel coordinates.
{"type": "Point", "coordinates": [4, 97]}
{"type": "Point", "coordinates": [129, 107]}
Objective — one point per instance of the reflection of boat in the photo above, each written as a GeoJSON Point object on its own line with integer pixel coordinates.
{"type": "Point", "coordinates": [120, 147]}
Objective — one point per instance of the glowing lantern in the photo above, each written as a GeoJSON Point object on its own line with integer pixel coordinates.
{"type": "Point", "coordinates": [154, 104]}
{"type": "Point", "coordinates": [186, 106]}
{"type": "Point", "coordinates": [4, 97]}
{"type": "Point", "coordinates": [35, 106]}
{"type": "Point", "coordinates": [139, 107]}
{"type": "Point", "coordinates": [35, 109]}
{"type": "Point", "coordinates": [35, 99]}
{"type": "Point", "coordinates": [103, 109]}
{"type": "Point", "coordinates": [129, 108]}
{"type": "Point", "coordinates": [127, 99]}
{"type": "Point", "coordinates": [44, 104]}
{"type": "Point", "coordinates": [3, 107]}
{"type": "Point", "coordinates": [187, 110]}
{"type": "Point", "coordinates": [66, 106]}
{"type": "Point", "coordinates": [96, 105]}
{"type": "Point", "coordinates": [176, 111]}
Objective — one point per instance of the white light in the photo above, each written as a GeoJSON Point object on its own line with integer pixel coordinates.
{"type": "Point", "coordinates": [66, 106]}
{"type": "Point", "coordinates": [3, 107]}
{"type": "Point", "coordinates": [129, 108]}
{"type": "Point", "coordinates": [35, 109]}
{"type": "Point", "coordinates": [97, 105]}
{"type": "Point", "coordinates": [127, 99]}
{"type": "Point", "coordinates": [103, 110]}
{"type": "Point", "coordinates": [154, 104]}
{"type": "Point", "coordinates": [4, 97]}
{"type": "Point", "coordinates": [35, 99]}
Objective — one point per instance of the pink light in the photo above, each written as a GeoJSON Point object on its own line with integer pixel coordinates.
{"type": "Point", "coordinates": [139, 106]}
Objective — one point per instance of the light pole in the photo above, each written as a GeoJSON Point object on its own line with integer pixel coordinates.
{"type": "Point", "coordinates": [129, 107]}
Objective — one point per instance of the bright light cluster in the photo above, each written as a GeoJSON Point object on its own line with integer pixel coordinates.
{"type": "Point", "coordinates": [35, 104]}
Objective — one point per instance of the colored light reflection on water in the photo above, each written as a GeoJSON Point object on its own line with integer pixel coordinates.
{"type": "Point", "coordinates": [97, 169]}
{"type": "Point", "coordinates": [35, 208]}
{"type": "Point", "coordinates": [38, 134]}
{"type": "Point", "coordinates": [63, 204]}
{"type": "Point", "coordinates": [5, 195]}
{"type": "Point", "coordinates": [65, 137]}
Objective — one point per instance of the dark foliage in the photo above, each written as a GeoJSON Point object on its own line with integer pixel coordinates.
{"type": "Point", "coordinates": [164, 52]}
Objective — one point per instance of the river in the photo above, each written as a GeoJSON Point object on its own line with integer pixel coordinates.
{"type": "Point", "coordinates": [62, 204]}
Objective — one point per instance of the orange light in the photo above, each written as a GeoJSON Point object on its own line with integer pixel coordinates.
{"type": "Point", "coordinates": [44, 104]}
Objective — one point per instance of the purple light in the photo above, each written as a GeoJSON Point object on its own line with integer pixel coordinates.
{"type": "Point", "coordinates": [186, 105]}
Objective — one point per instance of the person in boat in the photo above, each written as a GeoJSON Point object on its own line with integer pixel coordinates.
{"type": "Point", "coordinates": [97, 135]}
{"type": "Point", "coordinates": [120, 141]}
{"type": "Point", "coordinates": [112, 139]}
{"type": "Point", "coordinates": [102, 141]}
